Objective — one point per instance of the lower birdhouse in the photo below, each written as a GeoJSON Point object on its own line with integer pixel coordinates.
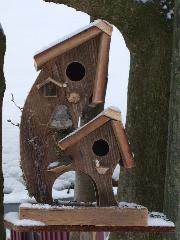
{"type": "Point", "coordinates": [95, 150]}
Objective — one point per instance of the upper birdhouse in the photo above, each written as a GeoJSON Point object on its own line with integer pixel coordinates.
{"type": "Point", "coordinates": [95, 149]}
{"type": "Point", "coordinates": [78, 64]}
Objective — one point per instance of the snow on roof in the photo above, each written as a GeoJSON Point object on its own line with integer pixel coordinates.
{"type": "Point", "coordinates": [61, 40]}
{"type": "Point", "coordinates": [105, 112]}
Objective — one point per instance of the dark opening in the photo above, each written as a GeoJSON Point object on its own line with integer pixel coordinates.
{"type": "Point", "coordinates": [100, 147]}
{"type": "Point", "coordinates": [50, 90]}
{"type": "Point", "coordinates": [75, 71]}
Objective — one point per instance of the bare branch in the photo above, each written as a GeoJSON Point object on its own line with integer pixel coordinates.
{"type": "Point", "coordinates": [12, 100]}
{"type": "Point", "coordinates": [12, 123]}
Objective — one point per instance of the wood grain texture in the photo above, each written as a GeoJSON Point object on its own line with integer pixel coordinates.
{"type": "Point", "coordinates": [102, 70]}
{"type": "Point", "coordinates": [48, 80]}
{"type": "Point", "coordinates": [42, 58]}
{"type": "Point", "coordinates": [113, 114]}
{"type": "Point", "coordinates": [85, 228]}
{"type": "Point", "coordinates": [36, 135]}
{"type": "Point", "coordinates": [122, 141]}
{"type": "Point", "coordinates": [105, 27]}
{"type": "Point", "coordinates": [87, 216]}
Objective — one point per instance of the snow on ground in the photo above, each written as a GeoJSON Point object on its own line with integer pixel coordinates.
{"type": "Point", "coordinates": [29, 26]}
{"type": "Point", "coordinates": [13, 217]}
{"type": "Point", "coordinates": [159, 219]}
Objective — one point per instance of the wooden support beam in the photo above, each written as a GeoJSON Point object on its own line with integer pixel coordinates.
{"type": "Point", "coordinates": [92, 228]}
{"type": "Point", "coordinates": [107, 216]}
{"type": "Point", "coordinates": [102, 70]}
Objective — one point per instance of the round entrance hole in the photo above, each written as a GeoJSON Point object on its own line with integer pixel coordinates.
{"type": "Point", "coordinates": [75, 71]}
{"type": "Point", "coordinates": [100, 147]}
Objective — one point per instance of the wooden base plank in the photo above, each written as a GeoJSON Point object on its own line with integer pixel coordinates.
{"type": "Point", "coordinates": [63, 228]}
{"type": "Point", "coordinates": [105, 216]}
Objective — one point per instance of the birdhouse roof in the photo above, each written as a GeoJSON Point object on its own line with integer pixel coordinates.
{"type": "Point", "coordinates": [107, 115]}
{"type": "Point", "coordinates": [70, 41]}
{"type": "Point", "coordinates": [48, 80]}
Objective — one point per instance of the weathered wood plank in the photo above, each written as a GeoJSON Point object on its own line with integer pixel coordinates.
{"type": "Point", "coordinates": [107, 216]}
{"type": "Point", "coordinates": [102, 70]}
{"type": "Point", "coordinates": [122, 141]}
{"type": "Point", "coordinates": [89, 228]}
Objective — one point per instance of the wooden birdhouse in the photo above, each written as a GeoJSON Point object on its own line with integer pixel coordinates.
{"type": "Point", "coordinates": [73, 76]}
{"type": "Point", "coordinates": [95, 149]}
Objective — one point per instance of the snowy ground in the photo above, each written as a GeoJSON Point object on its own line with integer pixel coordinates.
{"type": "Point", "coordinates": [29, 26]}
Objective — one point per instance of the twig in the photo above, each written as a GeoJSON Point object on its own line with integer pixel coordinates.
{"type": "Point", "coordinates": [14, 124]}
{"type": "Point", "coordinates": [12, 100]}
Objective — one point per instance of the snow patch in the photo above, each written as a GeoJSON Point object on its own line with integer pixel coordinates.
{"type": "Point", "coordinates": [116, 173]}
{"type": "Point", "coordinates": [13, 217]}
{"type": "Point", "coordinates": [53, 165]}
{"type": "Point", "coordinates": [144, 1]}
{"type": "Point", "coordinates": [129, 205]}
{"type": "Point", "coordinates": [64, 194]}
{"type": "Point", "coordinates": [44, 206]}
{"type": "Point", "coordinates": [159, 219]}
{"type": "Point", "coordinates": [170, 14]}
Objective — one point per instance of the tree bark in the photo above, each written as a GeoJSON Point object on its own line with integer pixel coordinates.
{"type": "Point", "coordinates": [172, 189]}
{"type": "Point", "coordinates": [2, 89]}
{"type": "Point", "coordinates": [148, 36]}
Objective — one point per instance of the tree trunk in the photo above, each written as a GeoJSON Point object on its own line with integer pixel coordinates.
{"type": "Point", "coordinates": [148, 36]}
{"type": "Point", "coordinates": [2, 89]}
{"type": "Point", "coordinates": [172, 190]}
